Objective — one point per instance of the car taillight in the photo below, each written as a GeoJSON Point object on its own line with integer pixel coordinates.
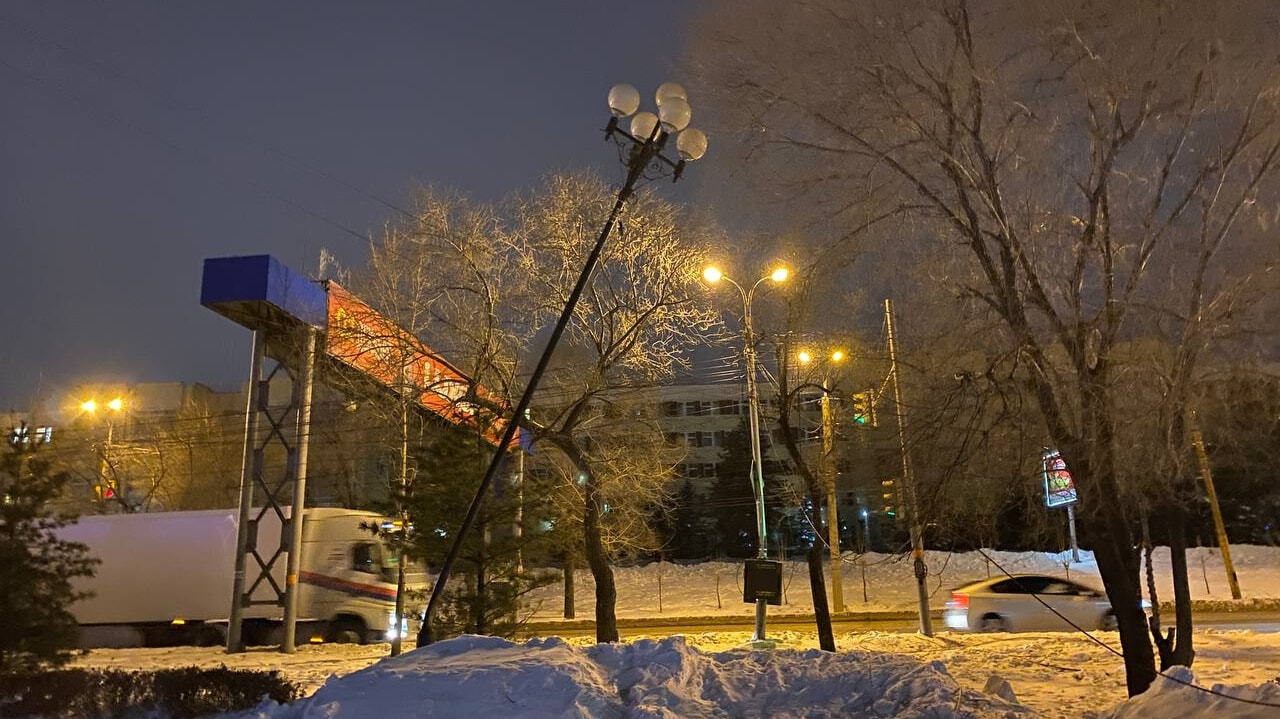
{"type": "Point", "coordinates": [958, 601]}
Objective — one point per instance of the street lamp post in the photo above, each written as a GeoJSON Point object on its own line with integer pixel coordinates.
{"type": "Point", "coordinates": [828, 468]}
{"type": "Point", "coordinates": [779, 275]}
{"type": "Point", "coordinates": [115, 405]}
{"type": "Point", "coordinates": [644, 145]}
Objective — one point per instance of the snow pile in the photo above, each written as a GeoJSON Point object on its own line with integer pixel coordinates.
{"type": "Point", "coordinates": [1171, 696]}
{"type": "Point", "coordinates": [652, 679]}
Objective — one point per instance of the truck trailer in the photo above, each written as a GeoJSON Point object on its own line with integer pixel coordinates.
{"type": "Point", "coordinates": [166, 578]}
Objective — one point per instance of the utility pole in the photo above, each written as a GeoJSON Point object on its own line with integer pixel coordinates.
{"type": "Point", "coordinates": [1071, 528]}
{"type": "Point", "coordinates": [1197, 441]}
{"type": "Point", "coordinates": [910, 500]}
{"type": "Point", "coordinates": [397, 636]}
{"type": "Point", "coordinates": [829, 477]}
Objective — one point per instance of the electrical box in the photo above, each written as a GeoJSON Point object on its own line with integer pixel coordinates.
{"type": "Point", "coordinates": [762, 579]}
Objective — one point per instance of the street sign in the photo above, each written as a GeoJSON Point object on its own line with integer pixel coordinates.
{"type": "Point", "coordinates": [1059, 489]}
{"type": "Point", "coordinates": [762, 579]}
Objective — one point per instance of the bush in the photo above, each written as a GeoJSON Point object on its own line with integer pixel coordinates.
{"type": "Point", "coordinates": [36, 567]}
{"type": "Point", "coordinates": [97, 693]}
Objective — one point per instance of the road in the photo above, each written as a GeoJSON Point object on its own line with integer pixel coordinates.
{"type": "Point", "coordinates": [1255, 621]}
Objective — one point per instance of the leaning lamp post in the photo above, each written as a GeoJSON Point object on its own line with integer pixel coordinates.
{"type": "Point", "coordinates": [642, 149]}
{"type": "Point", "coordinates": [713, 275]}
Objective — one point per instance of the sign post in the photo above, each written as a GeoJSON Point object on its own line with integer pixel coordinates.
{"type": "Point", "coordinates": [1059, 491]}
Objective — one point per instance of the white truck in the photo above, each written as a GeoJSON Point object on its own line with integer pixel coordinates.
{"type": "Point", "coordinates": [166, 578]}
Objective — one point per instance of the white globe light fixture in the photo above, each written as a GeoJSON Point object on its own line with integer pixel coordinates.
{"type": "Point", "coordinates": [674, 114]}
{"type": "Point", "coordinates": [691, 144]}
{"type": "Point", "coordinates": [670, 91]}
{"type": "Point", "coordinates": [643, 126]}
{"type": "Point", "coordinates": [624, 100]}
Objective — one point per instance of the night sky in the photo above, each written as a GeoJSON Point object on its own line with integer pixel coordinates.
{"type": "Point", "coordinates": [137, 139]}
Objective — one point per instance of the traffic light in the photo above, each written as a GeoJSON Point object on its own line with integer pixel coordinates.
{"type": "Point", "coordinates": [889, 493]}
{"type": "Point", "coordinates": [864, 408]}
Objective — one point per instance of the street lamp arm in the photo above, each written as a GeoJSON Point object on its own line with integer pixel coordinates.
{"type": "Point", "coordinates": [810, 385]}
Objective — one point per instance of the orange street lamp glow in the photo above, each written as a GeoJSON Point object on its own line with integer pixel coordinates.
{"type": "Point", "coordinates": [115, 404]}
{"type": "Point", "coordinates": [780, 274]}
{"type": "Point", "coordinates": [712, 274]}
{"type": "Point", "coordinates": [837, 356]}
{"type": "Point", "coordinates": [804, 357]}
{"type": "Point", "coordinates": [89, 406]}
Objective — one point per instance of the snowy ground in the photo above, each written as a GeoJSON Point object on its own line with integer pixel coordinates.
{"type": "Point", "coordinates": [1052, 674]}
{"type": "Point", "coordinates": [1055, 675]}
{"type": "Point", "coordinates": [715, 588]}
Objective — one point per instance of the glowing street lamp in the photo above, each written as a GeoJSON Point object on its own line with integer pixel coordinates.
{"type": "Point", "coordinates": [835, 357]}
{"type": "Point", "coordinates": [714, 275]}
{"type": "Point", "coordinates": [90, 406]}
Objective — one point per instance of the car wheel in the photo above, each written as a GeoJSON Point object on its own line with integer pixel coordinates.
{"type": "Point", "coordinates": [993, 623]}
{"type": "Point", "coordinates": [1109, 622]}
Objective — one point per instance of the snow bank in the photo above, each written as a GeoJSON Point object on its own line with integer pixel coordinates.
{"type": "Point", "coordinates": [1171, 697]}
{"type": "Point", "coordinates": [885, 582]}
{"type": "Point", "coordinates": [651, 679]}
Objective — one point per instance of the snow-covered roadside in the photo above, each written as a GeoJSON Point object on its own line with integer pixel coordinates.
{"type": "Point", "coordinates": [715, 588]}
{"type": "Point", "coordinates": [1057, 675]}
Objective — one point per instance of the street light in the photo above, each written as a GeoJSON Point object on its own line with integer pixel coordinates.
{"type": "Point", "coordinates": [714, 275]}
{"type": "Point", "coordinates": [836, 356]}
{"type": "Point", "coordinates": [642, 150]}
{"type": "Point", "coordinates": [90, 406]}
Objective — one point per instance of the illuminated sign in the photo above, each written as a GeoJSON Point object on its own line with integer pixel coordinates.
{"type": "Point", "coordinates": [1059, 489]}
{"type": "Point", "coordinates": [363, 339]}
{"type": "Point", "coordinates": [23, 435]}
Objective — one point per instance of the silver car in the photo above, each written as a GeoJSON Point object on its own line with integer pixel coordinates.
{"type": "Point", "coordinates": [1010, 604]}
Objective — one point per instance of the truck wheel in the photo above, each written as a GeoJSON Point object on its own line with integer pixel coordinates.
{"type": "Point", "coordinates": [347, 631]}
{"type": "Point", "coordinates": [210, 636]}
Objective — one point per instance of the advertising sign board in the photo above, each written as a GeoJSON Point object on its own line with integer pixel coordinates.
{"type": "Point", "coordinates": [1059, 490]}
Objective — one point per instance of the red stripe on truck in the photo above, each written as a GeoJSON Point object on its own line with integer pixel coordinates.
{"type": "Point", "coordinates": [348, 586]}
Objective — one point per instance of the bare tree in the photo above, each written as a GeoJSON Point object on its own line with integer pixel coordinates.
{"type": "Point", "coordinates": [1074, 156]}
{"type": "Point", "coordinates": [644, 305]}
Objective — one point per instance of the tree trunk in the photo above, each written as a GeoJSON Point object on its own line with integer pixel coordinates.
{"type": "Point", "coordinates": [569, 611]}
{"type": "Point", "coordinates": [1183, 651]}
{"type": "Point", "coordinates": [1117, 563]}
{"type": "Point", "coordinates": [1163, 640]}
{"type": "Point", "coordinates": [598, 561]}
{"type": "Point", "coordinates": [482, 600]}
{"type": "Point", "coordinates": [1091, 459]}
{"type": "Point", "coordinates": [817, 582]}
